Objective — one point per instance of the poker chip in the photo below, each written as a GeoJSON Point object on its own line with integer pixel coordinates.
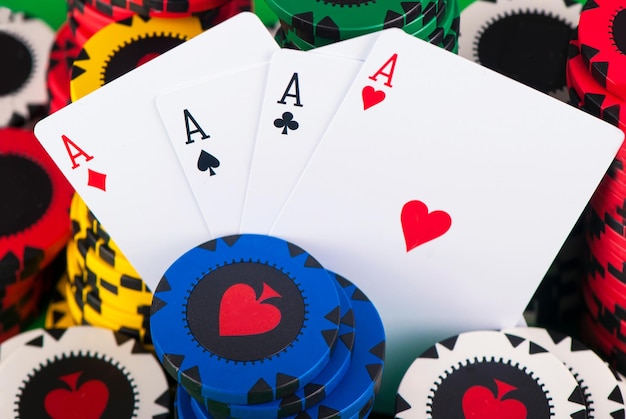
{"type": "Point", "coordinates": [58, 314]}
{"type": "Point", "coordinates": [24, 44]}
{"type": "Point", "coordinates": [60, 61]}
{"type": "Point", "coordinates": [354, 396]}
{"type": "Point", "coordinates": [182, 404]}
{"type": "Point", "coordinates": [356, 391]}
{"type": "Point", "coordinates": [34, 224]}
{"type": "Point", "coordinates": [601, 43]}
{"type": "Point", "coordinates": [312, 393]}
{"type": "Point", "coordinates": [125, 45]}
{"type": "Point", "coordinates": [111, 278]}
{"type": "Point", "coordinates": [475, 374]}
{"type": "Point", "coordinates": [82, 371]}
{"type": "Point", "coordinates": [335, 21]}
{"type": "Point", "coordinates": [526, 40]}
{"type": "Point", "coordinates": [430, 14]}
{"type": "Point", "coordinates": [173, 8]}
{"type": "Point", "coordinates": [591, 96]}
{"type": "Point", "coordinates": [603, 396]}
{"type": "Point", "coordinates": [245, 319]}
{"type": "Point", "coordinates": [85, 310]}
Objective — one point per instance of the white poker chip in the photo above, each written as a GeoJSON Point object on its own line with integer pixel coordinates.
{"type": "Point", "coordinates": [488, 374]}
{"type": "Point", "coordinates": [25, 45]}
{"type": "Point", "coordinates": [600, 386]}
{"type": "Point", "coordinates": [526, 40]}
{"type": "Point", "coordinates": [82, 371]}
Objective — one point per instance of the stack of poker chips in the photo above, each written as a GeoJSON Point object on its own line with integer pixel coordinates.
{"type": "Point", "coordinates": [596, 78]}
{"type": "Point", "coordinates": [103, 289]}
{"type": "Point", "coordinates": [252, 326]}
{"type": "Point", "coordinates": [80, 372]}
{"type": "Point", "coordinates": [513, 373]}
{"type": "Point", "coordinates": [34, 226]}
{"type": "Point", "coordinates": [309, 24]}
{"type": "Point", "coordinates": [25, 43]}
{"type": "Point", "coordinates": [64, 50]}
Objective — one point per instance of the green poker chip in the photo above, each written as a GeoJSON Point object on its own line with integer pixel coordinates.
{"type": "Point", "coordinates": [431, 13]}
{"type": "Point", "coordinates": [337, 20]}
{"type": "Point", "coordinates": [445, 32]}
{"type": "Point", "coordinates": [438, 19]}
{"type": "Point", "coordinates": [53, 12]}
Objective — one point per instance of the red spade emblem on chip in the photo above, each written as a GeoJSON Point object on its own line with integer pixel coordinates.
{"type": "Point", "coordinates": [420, 226]}
{"type": "Point", "coordinates": [480, 402]}
{"type": "Point", "coordinates": [85, 402]}
{"type": "Point", "coordinates": [243, 314]}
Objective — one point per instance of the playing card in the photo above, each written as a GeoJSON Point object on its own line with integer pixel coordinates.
{"type": "Point", "coordinates": [212, 126]}
{"type": "Point", "coordinates": [444, 190]}
{"type": "Point", "coordinates": [113, 148]}
{"type": "Point", "coordinates": [294, 115]}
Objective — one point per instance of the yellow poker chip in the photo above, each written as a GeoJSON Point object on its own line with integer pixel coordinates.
{"type": "Point", "coordinates": [86, 226]}
{"type": "Point", "coordinates": [58, 315]}
{"type": "Point", "coordinates": [93, 306]}
{"type": "Point", "coordinates": [125, 45]}
{"type": "Point", "coordinates": [90, 317]}
{"type": "Point", "coordinates": [125, 293]}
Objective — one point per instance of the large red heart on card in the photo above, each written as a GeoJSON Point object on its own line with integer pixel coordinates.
{"type": "Point", "coordinates": [85, 402]}
{"type": "Point", "coordinates": [243, 314]}
{"type": "Point", "coordinates": [371, 97]}
{"type": "Point", "coordinates": [420, 226]}
{"type": "Point", "coordinates": [480, 402]}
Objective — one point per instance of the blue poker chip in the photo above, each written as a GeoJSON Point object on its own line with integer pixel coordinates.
{"type": "Point", "coordinates": [245, 319]}
{"type": "Point", "coordinates": [182, 405]}
{"type": "Point", "coordinates": [362, 380]}
{"type": "Point", "coordinates": [312, 393]}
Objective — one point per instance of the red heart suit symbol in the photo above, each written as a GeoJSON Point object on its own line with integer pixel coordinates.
{"type": "Point", "coordinates": [371, 97]}
{"type": "Point", "coordinates": [420, 226]}
{"type": "Point", "coordinates": [85, 402]}
{"type": "Point", "coordinates": [479, 402]}
{"type": "Point", "coordinates": [242, 314]}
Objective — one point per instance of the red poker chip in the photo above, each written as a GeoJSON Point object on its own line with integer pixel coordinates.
{"type": "Point", "coordinates": [605, 218]}
{"type": "Point", "coordinates": [602, 38]}
{"type": "Point", "coordinates": [36, 197]}
{"type": "Point", "coordinates": [610, 329]}
{"type": "Point", "coordinates": [607, 297]}
{"type": "Point", "coordinates": [596, 340]}
{"type": "Point", "coordinates": [64, 51]}
{"type": "Point", "coordinates": [607, 259]}
{"type": "Point", "coordinates": [13, 292]}
{"type": "Point", "coordinates": [89, 20]}
{"type": "Point", "coordinates": [23, 312]}
{"type": "Point", "coordinates": [611, 342]}
{"type": "Point", "coordinates": [609, 277]}
{"type": "Point", "coordinates": [610, 197]}
{"type": "Point", "coordinates": [167, 8]}
{"type": "Point", "coordinates": [232, 8]}
{"type": "Point", "coordinates": [592, 97]}
{"type": "Point", "coordinates": [145, 8]}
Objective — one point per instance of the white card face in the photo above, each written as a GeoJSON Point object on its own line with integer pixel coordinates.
{"type": "Point", "coordinates": [147, 205]}
{"type": "Point", "coordinates": [301, 96]}
{"type": "Point", "coordinates": [444, 190]}
{"type": "Point", "coordinates": [212, 126]}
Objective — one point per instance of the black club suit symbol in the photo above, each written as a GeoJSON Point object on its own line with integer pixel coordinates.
{"type": "Point", "coordinates": [286, 122]}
